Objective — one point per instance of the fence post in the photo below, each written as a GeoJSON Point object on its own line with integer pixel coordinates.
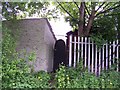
{"type": "Point", "coordinates": [106, 56]}
{"type": "Point", "coordinates": [89, 55]}
{"type": "Point", "coordinates": [99, 64]}
{"type": "Point", "coordinates": [82, 47]}
{"type": "Point", "coordinates": [113, 51]}
{"type": "Point", "coordinates": [110, 59]}
{"type": "Point", "coordinates": [78, 49]}
{"type": "Point", "coordinates": [70, 51]}
{"type": "Point", "coordinates": [74, 64]}
{"type": "Point", "coordinates": [117, 56]}
{"type": "Point", "coordinates": [85, 51]}
{"type": "Point", "coordinates": [92, 66]}
{"type": "Point", "coordinates": [96, 60]}
{"type": "Point", "coordinates": [103, 60]}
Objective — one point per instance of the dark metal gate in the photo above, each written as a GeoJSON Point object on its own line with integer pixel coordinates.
{"type": "Point", "coordinates": [59, 54]}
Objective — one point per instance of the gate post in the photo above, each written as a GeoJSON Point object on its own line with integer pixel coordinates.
{"type": "Point", "coordinates": [70, 51]}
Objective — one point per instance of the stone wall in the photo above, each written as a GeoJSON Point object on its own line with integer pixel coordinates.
{"type": "Point", "coordinates": [35, 35]}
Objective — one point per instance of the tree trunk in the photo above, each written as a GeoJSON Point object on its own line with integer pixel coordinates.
{"type": "Point", "coordinates": [90, 22]}
{"type": "Point", "coordinates": [118, 27]}
{"type": "Point", "coordinates": [81, 19]}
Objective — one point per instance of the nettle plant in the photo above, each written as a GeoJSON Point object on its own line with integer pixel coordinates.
{"type": "Point", "coordinates": [15, 71]}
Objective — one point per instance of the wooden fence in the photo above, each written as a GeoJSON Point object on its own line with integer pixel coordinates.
{"type": "Point", "coordinates": [94, 58]}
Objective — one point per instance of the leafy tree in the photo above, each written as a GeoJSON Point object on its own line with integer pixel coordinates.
{"type": "Point", "coordinates": [87, 15]}
{"type": "Point", "coordinates": [118, 23]}
{"type": "Point", "coordinates": [18, 10]}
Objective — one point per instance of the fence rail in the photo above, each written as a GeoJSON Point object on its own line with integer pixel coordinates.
{"type": "Point", "coordinates": [93, 58]}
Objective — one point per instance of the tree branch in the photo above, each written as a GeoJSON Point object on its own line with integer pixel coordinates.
{"type": "Point", "coordinates": [76, 4]}
{"type": "Point", "coordinates": [107, 10]}
{"type": "Point", "coordinates": [113, 14]}
{"type": "Point", "coordinates": [100, 6]}
{"type": "Point", "coordinates": [90, 21]}
{"type": "Point", "coordinates": [105, 6]}
{"type": "Point", "coordinates": [65, 9]}
{"type": "Point", "coordinates": [87, 10]}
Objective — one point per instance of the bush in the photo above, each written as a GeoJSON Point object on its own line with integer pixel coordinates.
{"type": "Point", "coordinates": [79, 77]}
{"type": "Point", "coordinates": [15, 72]}
{"type": "Point", "coordinates": [110, 79]}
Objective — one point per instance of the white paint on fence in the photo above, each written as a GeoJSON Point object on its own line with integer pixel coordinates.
{"type": "Point", "coordinates": [81, 47]}
{"type": "Point", "coordinates": [113, 51]}
{"type": "Point", "coordinates": [110, 59]}
{"type": "Point", "coordinates": [99, 64]}
{"type": "Point", "coordinates": [117, 56]}
{"type": "Point", "coordinates": [70, 51]}
{"type": "Point", "coordinates": [88, 54]}
{"type": "Point", "coordinates": [74, 53]}
{"type": "Point", "coordinates": [103, 58]}
{"type": "Point", "coordinates": [92, 65]}
{"type": "Point", "coordinates": [85, 52]}
{"type": "Point", "coordinates": [106, 56]}
{"type": "Point", "coordinates": [78, 51]}
{"type": "Point", "coordinates": [95, 59]}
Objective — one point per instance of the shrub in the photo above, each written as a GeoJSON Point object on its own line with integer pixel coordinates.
{"type": "Point", "coordinates": [110, 79]}
{"type": "Point", "coordinates": [15, 71]}
{"type": "Point", "coordinates": [79, 77]}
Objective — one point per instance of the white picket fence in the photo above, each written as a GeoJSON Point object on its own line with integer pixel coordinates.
{"type": "Point", "coordinates": [93, 58]}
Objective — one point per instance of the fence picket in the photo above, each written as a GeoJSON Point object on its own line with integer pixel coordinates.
{"type": "Point", "coordinates": [92, 65]}
{"type": "Point", "coordinates": [81, 47]}
{"type": "Point", "coordinates": [89, 55]}
{"type": "Point", "coordinates": [117, 56]}
{"type": "Point", "coordinates": [99, 64]}
{"type": "Point", "coordinates": [85, 51]}
{"type": "Point", "coordinates": [113, 51]}
{"type": "Point", "coordinates": [95, 60]}
{"type": "Point", "coordinates": [103, 58]}
{"type": "Point", "coordinates": [106, 56]}
{"type": "Point", "coordinates": [70, 51]}
{"type": "Point", "coordinates": [74, 64]}
{"type": "Point", "coordinates": [78, 50]}
{"type": "Point", "coordinates": [110, 59]}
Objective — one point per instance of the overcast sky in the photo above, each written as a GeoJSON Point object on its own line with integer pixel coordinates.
{"type": "Point", "coordinates": [60, 28]}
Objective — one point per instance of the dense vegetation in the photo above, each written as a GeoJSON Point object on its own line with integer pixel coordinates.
{"type": "Point", "coordinates": [16, 73]}
{"type": "Point", "coordinates": [81, 78]}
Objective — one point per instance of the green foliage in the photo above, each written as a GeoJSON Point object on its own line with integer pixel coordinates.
{"type": "Point", "coordinates": [73, 9]}
{"type": "Point", "coordinates": [79, 77]}
{"type": "Point", "coordinates": [110, 79]}
{"type": "Point", "coordinates": [15, 70]}
{"type": "Point", "coordinates": [61, 77]}
{"type": "Point", "coordinates": [18, 10]}
{"type": "Point", "coordinates": [105, 27]}
{"type": "Point", "coordinates": [98, 39]}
